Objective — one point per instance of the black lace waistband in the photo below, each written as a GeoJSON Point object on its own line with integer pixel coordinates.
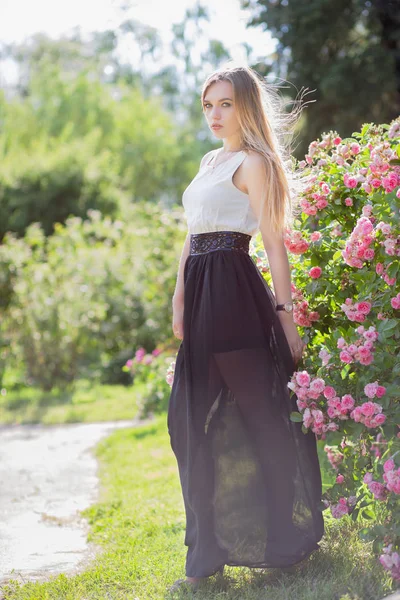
{"type": "Point", "coordinates": [219, 240]}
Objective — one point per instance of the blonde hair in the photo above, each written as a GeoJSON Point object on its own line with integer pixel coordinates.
{"type": "Point", "coordinates": [266, 128]}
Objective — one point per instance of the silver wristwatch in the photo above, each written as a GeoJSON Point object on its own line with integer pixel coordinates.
{"type": "Point", "coordinates": [287, 306]}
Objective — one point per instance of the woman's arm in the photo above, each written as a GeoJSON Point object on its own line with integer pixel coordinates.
{"type": "Point", "coordinates": [254, 174]}
{"type": "Point", "coordinates": [178, 296]}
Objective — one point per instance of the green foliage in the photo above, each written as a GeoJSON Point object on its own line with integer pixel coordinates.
{"type": "Point", "coordinates": [73, 144]}
{"type": "Point", "coordinates": [80, 298]}
{"type": "Point", "coordinates": [340, 49]}
{"type": "Point", "coordinates": [345, 248]}
{"type": "Point", "coordinates": [55, 180]}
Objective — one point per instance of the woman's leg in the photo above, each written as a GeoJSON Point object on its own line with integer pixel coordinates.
{"type": "Point", "coordinates": [255, 383]}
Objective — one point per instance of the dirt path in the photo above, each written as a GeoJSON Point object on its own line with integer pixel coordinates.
{"type": "Point", "coordinates": [47, 475]}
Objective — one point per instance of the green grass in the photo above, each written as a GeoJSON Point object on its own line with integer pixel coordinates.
{"type": "Point", "coordinates": [87, 402]}
{"type": "Point", "coordinates": [139, 526]}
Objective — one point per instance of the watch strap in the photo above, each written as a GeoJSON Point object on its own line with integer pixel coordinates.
{"type": "Point", "coordinates": [282, 306]}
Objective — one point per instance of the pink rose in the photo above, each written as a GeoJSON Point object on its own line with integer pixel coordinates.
{"type": "Point", "coordinates": [368, 477]}
{"type": "Point", "coordinates": [318, 416]}
{"type": "Point", "coordinates": [375, 182]}
{"type": "Point", "coordinates": [315, 272]}
{"type": "Point", "coordinates": [368, 409]}
{"type": "Point", "coordinates": [356, 414]}
{"type": "Point", "coordinates": [322, 203]}
{"type": "Point", "coordinates": [302, 393]}
{"type": "Point", "coordinates": [366, 360]}
{"type": "Point", "coordinates": [139, 354]}
{"type": "Point", "coordinates": [366, 225]}
{"type": "Point", "coordinates": [386, 228]}
{"type": "Point", "coordinates": [317, 385]}
{"type": "Point", "coordinates": [302, 378]}
{"type": "Point", "coordinates": [329, 392]}
{"type": "Point", "coordinates": [349, 181]}
{"type": "Point", "coordinates": [358, 316]}
{"type": "Point", "coordinates": [364, 352]}
{"type": "Point", "coordinates": [314, 315]}
{"type": "Point", "coordinates": [380, 418]}
{"type": "Point", "coordinates": [364, 307]}
{"type": "Point", "coordinates": [347, 401]}
{"type": "Point", "coordinates": [378, 490]}
{"type": "Point", "coordinates": [345, 357]}
{"type": "Point", "coordinates": [395, 302]}
{"type": "Point", "coordinates": [370, 389]}
{"type": "Point", "coordinates": [388, 465]}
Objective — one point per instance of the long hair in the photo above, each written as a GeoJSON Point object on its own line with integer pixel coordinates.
{"type": "Point", "coordinates": [266, 128]}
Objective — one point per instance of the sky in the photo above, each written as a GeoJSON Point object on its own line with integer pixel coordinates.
{"type": "Point", "coordinates": [21, 18]}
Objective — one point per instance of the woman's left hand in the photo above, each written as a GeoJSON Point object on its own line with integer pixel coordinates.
{"type": "Point", "coordinates": [295, 342]}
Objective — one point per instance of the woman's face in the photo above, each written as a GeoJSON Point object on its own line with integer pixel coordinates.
{"type": "Point", "coordinates": [219, 109]}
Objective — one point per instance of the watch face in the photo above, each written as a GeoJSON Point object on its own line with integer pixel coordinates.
{"type": "Point", "coordinates": [288, 306]}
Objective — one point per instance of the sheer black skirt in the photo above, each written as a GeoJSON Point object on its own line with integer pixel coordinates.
{"type": "Point", "coordinates": [250, 477]}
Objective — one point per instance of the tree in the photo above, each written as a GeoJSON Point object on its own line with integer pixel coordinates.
{"type": "Point", "coordinates": [347, 50]}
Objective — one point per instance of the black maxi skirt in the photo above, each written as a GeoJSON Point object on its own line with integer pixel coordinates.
{"type": "Point", "coordinates": [250, 477]}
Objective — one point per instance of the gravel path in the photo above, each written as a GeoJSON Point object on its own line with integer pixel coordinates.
{"type": "Point", "coordinates": [47, 475]}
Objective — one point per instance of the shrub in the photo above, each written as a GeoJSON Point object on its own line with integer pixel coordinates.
{"type": "Point", "coordinates": [345, 260]}
{"type": "Point", "coordinates": [94, 290]}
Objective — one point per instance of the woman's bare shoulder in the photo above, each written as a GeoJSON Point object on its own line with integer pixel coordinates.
{"type": "Point", "coordinates": [254, 158]}
{"type": "Point", "coordinates": [254, 164]}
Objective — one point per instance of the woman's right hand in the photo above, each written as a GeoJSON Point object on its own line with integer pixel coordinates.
{"type": "Point", "coordinates": [177, 319]}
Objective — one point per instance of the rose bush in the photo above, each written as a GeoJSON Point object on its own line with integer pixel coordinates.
{"type": "Point", "coordinates": [345, 248]}
{"type": "Point", "coordinates": [150, 379]}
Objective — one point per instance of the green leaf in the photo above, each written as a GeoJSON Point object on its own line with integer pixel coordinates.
{"type": "Point", "coordinates": [376, 546]}
{"type": "Point", "coordinates": [393, 268]}
{"type": "Point", "coordinates": [390, 324]}
{"type": "Point", "coordinates": [296, 417]}
{"type": "Point", "coordinates": [367, 516]}
{"type": "Point", "coordinates": [354, 514]}
{"type": "Point", "coordinates": [365, 129]}
{"type": "Point", "coordinates": [337, 254]}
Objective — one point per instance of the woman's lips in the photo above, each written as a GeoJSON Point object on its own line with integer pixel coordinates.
{"type": "Point", "coordinates": [216, 126]}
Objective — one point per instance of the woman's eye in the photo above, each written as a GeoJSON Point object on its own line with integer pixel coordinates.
{"type": "Point", "coordinates": [226, 103]}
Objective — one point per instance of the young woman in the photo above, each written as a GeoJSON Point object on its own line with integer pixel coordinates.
{"type": "Point", "coordinates": [250, 477]}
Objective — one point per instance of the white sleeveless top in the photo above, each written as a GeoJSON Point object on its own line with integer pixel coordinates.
{"type": "Point", "coordinates": [213, 203]}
